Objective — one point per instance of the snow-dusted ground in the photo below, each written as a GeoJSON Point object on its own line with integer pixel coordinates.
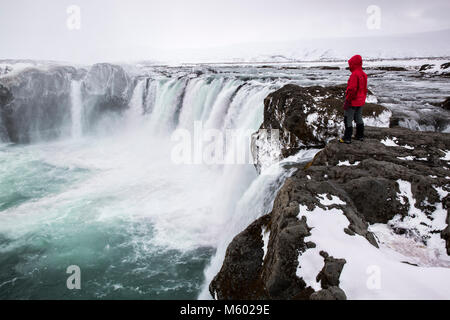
{"type": "Point", "coordinates": [401, 268]}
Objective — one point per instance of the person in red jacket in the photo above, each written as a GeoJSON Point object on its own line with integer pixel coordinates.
{"type": "Point", "coordinates": [355, 98]}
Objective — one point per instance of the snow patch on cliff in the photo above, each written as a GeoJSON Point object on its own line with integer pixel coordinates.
{"type": "Point", "coordinates": [265, 233]}
{"type": "Point", "coordinates": [325, 200]}
{"type": "Point", "coordinates": [447, 155]}
{"type": "Point", "coordinates": [423, 228]}
{"type": "Point", "coordinates": [347, 163]}
{"type": "Point", "coordinates": [388, 142]}
{"type": "Point", "coordinates": [382, 120]}
{"type": "Point", "coordinates": [408, 158]}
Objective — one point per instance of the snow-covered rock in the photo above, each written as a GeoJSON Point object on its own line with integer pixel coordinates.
{"type": "Point", "coordinates": [105, 88]}
{"type": "Point", "coordinates": [435, 69]}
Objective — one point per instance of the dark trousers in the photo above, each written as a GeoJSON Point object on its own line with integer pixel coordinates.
{"type": "Point", "coordinates": [353, 113]}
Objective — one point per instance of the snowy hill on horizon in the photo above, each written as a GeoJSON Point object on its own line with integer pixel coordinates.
{"type": "Point", "coordinates": [419, 45]}
{"type": "Point", "coordinates": [425, 45]}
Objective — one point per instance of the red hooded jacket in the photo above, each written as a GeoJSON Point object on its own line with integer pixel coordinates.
{"type": "Point", "coordinates": [357, 83]}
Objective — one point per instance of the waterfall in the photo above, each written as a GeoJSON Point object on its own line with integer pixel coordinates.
{"type": "Point", "coordinates": [221, 105]}
{"type": "Point", "coordinates": [76, 109]}
{"type": "Point", "coordinates": [151, 90]}
{"type": "Point", "coordinates": [241, 195]}
{"type": "Point", "coordinates": [255, 202]}
{"type": "Point", "coordinates": [136, 106]}
{"type": "Point", "coordinates": [134, 194]}
{"type": "Point", "coordinates": [193, 102]}
{"type": "Point", "coordinates": [247, 108]}
{"type": "Point", "coordinates": [214, 90]}
{"type": "Point", "coordinates": [168, 101]}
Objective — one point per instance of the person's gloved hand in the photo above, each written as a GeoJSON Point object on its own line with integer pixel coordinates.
{"type": "Point", "coordinates": [347, 105]}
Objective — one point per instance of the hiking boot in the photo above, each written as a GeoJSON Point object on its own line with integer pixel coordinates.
{"type": "Point", "coordinates": [359, 132]}
{"type": "Point", "coordinates": [347, 135]}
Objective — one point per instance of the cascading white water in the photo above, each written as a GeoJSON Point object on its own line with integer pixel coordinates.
{"type": "Point", "coordinates": [238, 195]}
{"type": "Point", "coordinates": [167, 100]}
{"type": "Point", "coordinates": [255, 202]}
{"type": "Point", "coordinates": [76, 109]}
{"type": "Point", "coordinates": [242, 112]}
{"type": "Point", "coordinates": [131, 205]}
{"type": "Point", "coordinates": [198, 91]}
{"type": "Point", "coordinates": [213, 91]}
{"type": "Point", "coordinates": [152, 87]}
{"type": "Point", "coordinates": [220, 106]}
{"type": "Point", "coordinates": [136, 105]}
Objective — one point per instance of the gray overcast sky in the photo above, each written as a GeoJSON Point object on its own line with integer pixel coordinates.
{"type": "Point", "coordinates": [37, 29]}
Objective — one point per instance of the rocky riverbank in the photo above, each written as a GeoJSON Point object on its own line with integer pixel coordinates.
{"type": "Point", "coordinates": [378, 207]}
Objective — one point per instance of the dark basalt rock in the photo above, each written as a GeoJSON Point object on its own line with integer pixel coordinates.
{"type": "Point", "coordinates": [306, 117]}
{"type": "Point", "coordinates": [245, 275]}
{"type": "Point", "coordinates": [426, 67]}
{"type": "Point", "coordinates": [395, 121]}
{"type": "Point", "coordinates": [444, 104]}
{"type": "Point", "coordinates": [370, 193]}
{"type": "Point", "coordinates": [240, 275]}
{"type": "Point", "coordinates": [332, 293]}
{"type": "Point", "coordinates": [372, 184]}
{"type": "Point", "coordinates": [445, 234]}
{"type": "Point", "coordinates": [387, 68]}
{"type": "Point", "coordinates": [329, 276]}
{"type": "Point", "coordinates": [328, 68]}
{"type": "Point", "coordinates": [445, 65]}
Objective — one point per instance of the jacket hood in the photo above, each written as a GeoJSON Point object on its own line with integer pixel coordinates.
{"type": "Point", "coordinates": [355, 62]}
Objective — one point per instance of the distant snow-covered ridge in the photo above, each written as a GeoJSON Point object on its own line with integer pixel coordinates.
{"type": "Point", "coordinates": [420, 45]}
{"type": "Point", "coordinates": [430, 45]}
